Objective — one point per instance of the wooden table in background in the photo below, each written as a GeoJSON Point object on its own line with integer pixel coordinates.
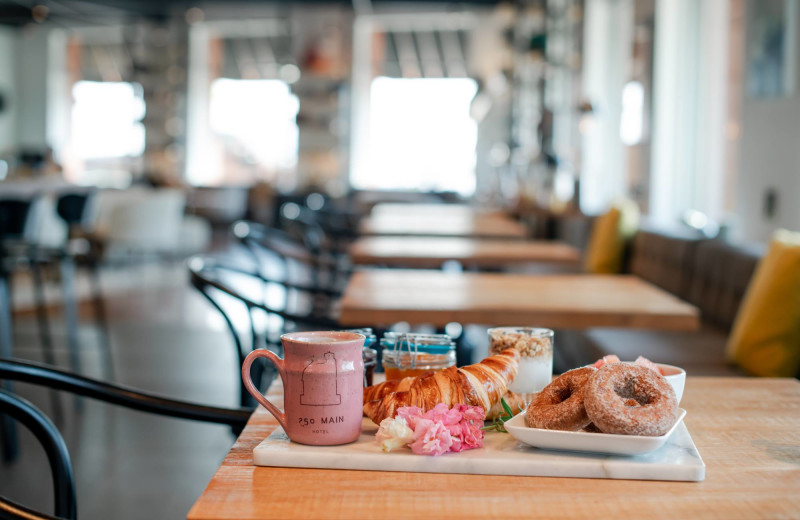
{"type": "Point", "coordinates": [395, 209]}
{"type": "Point", "coordinates": [487, 226]}
{"type": "Point", "coordinates": [385, 296]}
{"type": "Point", "coordinates": [746, 430]}
{"type": "Point", "coordinates": [431, 252]}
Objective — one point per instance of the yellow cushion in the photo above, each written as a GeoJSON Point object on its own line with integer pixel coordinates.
{"type": "Point", "coordinates": [610, 232]}
{"type": "Point", "coordinates": [765, 340]}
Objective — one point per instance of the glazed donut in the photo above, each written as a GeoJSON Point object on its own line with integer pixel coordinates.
{"type": "Point", "coordinates": [607, 400]}
{"type": "Point", "coordinates": [560, 405]}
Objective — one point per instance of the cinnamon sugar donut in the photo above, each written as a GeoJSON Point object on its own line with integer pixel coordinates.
{"type": "Point", "coordinates": [560, 405]}
{"type": "Point", "coordinates": [607, 400]}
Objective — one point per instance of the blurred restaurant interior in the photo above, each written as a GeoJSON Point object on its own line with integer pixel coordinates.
{"type": "Point", "coordinates": [183, 182]}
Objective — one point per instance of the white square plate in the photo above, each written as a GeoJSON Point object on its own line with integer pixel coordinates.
{"type": "Point", "coordinates": [585, 441]}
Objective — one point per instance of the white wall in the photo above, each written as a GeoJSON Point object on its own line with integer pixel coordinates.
{"type": "Point", "coordinates": [8, 137]}
{"type": "Point", "coordinates": [769, 158]}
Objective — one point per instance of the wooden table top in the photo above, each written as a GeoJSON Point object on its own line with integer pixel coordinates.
{"type": "Point", "coordinates": [385, 296]}
{"type": "Point", "coordinates": [493, 226]}
{"type": "Point", "coordinates": [746, 430]}
{"type": "Point", "coordinates": [422, 252]}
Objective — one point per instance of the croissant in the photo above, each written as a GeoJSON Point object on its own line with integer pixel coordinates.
{"type": "Point", "coordinates": [481, 384]}
{"type": "Point", "coordinates": [517, 403]}
{"type": "Point", "coordinates": [374, 392]}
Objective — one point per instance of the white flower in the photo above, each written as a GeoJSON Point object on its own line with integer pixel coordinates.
{"type": "Point", "coordinates": [394, 434]}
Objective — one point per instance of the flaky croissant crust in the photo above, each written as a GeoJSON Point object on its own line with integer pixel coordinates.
{"type": "Point", "coordinates": [481, 384]}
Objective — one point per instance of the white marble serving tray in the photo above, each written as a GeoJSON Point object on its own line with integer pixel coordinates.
{"type": "Point", "coordinates": [502, 454]}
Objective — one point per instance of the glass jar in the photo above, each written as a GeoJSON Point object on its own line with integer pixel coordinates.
{"type": "Point", "coordinates": [407, 354]}
{"type": "Point", "coordinates": [370, 357]}
{"type": "Point", "coordinates": [535, 347]}
{"type": "Point", "coordinates": [368, 354]}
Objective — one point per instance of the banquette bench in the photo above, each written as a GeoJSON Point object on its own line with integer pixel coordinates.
{"type": "Point", "coordinates": [709, 273]}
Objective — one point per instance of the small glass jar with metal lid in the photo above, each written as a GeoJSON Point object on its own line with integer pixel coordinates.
{"type": "Point", "coordinates": [409, 354]}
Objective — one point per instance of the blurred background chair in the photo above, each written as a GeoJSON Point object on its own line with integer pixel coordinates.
{"type": "Point", "coordinates": [284, 254]}
{"type": "Point", "coordinates": [50, 438]}
{"type": "Point", "coordinates": [75, 209]}
{"type": "Point", "coordinates": [257, 309]}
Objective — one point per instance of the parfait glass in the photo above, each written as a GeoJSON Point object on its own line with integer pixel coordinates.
{"type": "Point", "coordinates": [535, 347]}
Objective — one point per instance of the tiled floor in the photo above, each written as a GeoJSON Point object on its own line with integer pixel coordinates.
{"type": "Point", "coordinates": [130, 465]}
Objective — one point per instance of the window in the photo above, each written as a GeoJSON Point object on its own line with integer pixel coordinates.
{"type": "Point", "coordinates": [256, 119]}
{"type": "Point", "coordinates": [421, 136]}
{"type": "Point", "coordinates": [106, 120]}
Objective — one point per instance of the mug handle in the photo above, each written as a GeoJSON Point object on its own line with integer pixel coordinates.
{"type": "Point", "coordinates": [255, 392]}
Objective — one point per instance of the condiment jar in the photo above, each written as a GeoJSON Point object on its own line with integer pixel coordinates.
{"type": "Point", "coordinates": [368, 354]}
{"type": "Point", "coordinates": [409, 354]}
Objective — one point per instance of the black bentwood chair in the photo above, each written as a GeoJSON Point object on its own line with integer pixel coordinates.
{"type": "Point", "coordinates": [298, 260]}
{"type": "Point", "coordinates": [50, 438]}
{"type": "Point", "coordinates": [74, 208]}
{"type": "Point", "coordinates": [271, 307]}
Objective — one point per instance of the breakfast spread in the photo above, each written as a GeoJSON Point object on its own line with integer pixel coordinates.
{"type": "Point", "coordinates": [481, 384]}
{"type": "Point", "coordinates": [620, 398]}
{"type": "Point", "coordinates": [434, 410]}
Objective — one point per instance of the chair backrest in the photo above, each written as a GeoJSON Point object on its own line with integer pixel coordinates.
{"type": "Point", "coordinates": [149, 223]}
{"type": "Point", "coordinates": [232, 289]}
{"type": "Point", "coordinates": [48, 435]}
{"type": "Point", "coordinates": [574, 230]}
{"type": "Point", "coordinates": [13, 217]}
{"type": "Point", "coordinates": [721, 273]}
{"type": "Point", "coordinates": [665, 259]}
{"type": "Point", "coordinates": [32, 219]}
{"type": "Point", "coordinates": [54, 447]}
{"type": "Point", "coordinates": [73, 208]}
{"type": "Point", "coordinates": [299, 263]}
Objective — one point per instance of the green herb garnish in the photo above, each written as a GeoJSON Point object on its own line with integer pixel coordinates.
{"type": "Point", "coordinates": [498, 424]}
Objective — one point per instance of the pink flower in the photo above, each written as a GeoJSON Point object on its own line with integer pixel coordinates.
{"type": "Point", "coordinates": [431, 438]}
{"type": "Point", "coordinates": [472, 413]}
{"type": "Point", "coordinates": [469, 431]}
{"type": "Point", "coordinates": [411, 414]}
{"type": "Point", "coordinates": [443, 414]}
{"type": "Point", "coordinates": [471, 437]}
{"type": "Point", "coordinates": [436, 431]}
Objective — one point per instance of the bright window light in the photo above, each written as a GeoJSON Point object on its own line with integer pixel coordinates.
{"type": "Point", "coordinates": [106, 120]}
{"type": "Point", "coordinates": [421, 136]}
{"type": "Point", "coordinates": [630, 127]}
{"type": "Point", "coordinates": [258, 118]}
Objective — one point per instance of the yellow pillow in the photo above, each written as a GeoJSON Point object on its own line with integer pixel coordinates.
{"type": "Point", "coordinates": [610, 232]}
{"type": "Point", "coordinates": [765, 340]}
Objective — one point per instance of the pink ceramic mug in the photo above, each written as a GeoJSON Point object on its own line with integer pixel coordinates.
{"type": "Point", "coordinates": [323, 386]}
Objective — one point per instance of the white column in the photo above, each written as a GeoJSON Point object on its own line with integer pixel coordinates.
{"type": "Point", "coordinates": [360, 98]}
{"type": "Point", "coordinates": [712, 108]}
{"type": "Point", "coordinates": [203, 161]}
{"type": "Point", "coordinates": [607, 54]}
{"type": "Point", "coordinates": [689, 108]}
